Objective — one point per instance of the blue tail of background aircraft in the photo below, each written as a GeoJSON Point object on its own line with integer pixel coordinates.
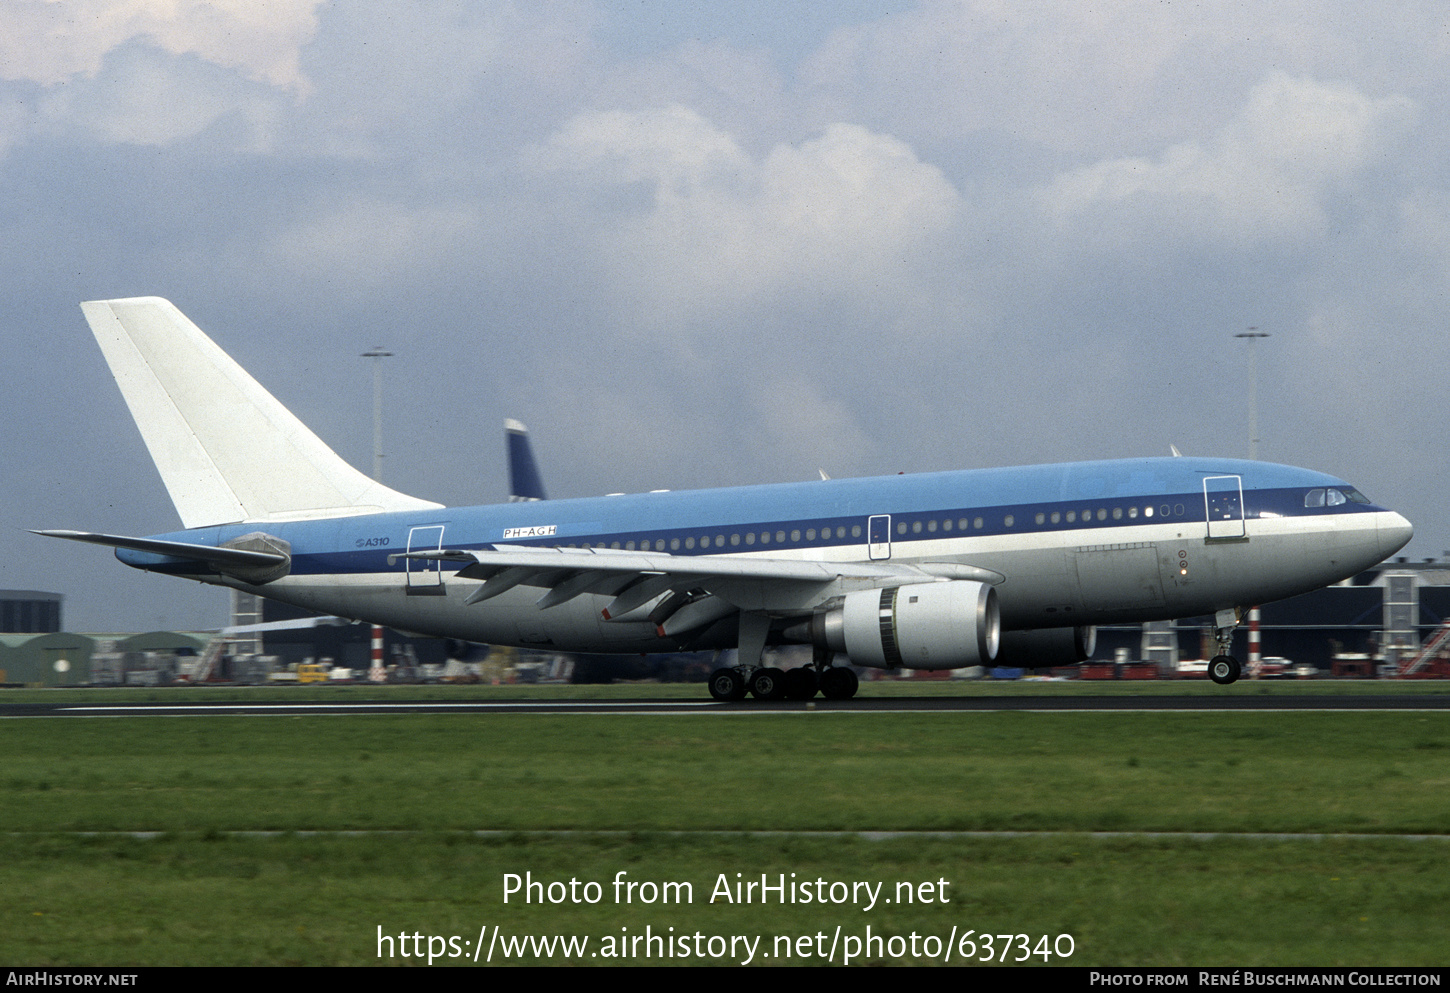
{"type": "Point", "coordinates": [524, 481]}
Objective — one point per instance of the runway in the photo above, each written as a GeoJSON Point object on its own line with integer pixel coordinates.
{"type": "Point", "coordinates": [1195, 703]}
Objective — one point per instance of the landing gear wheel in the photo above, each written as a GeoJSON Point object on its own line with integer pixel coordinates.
{"type": "Point", "coordinates": [1224, 669]}
{"type": "Point", "coordinates": [727, 685]}
{"type": "Point", "coordinates": [839, 683]}
{"type": "Point", "coordinates": [768, 684]}
{"type": "Point", "coordinates": [801, 684]}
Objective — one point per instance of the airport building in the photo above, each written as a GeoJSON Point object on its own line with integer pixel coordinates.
{"type": "Point", "coordinates": [65, 658]}
{"type": "Point", "coordinates": [1384, 616]}
{"type": "Point", "coordinates": [29, 612]}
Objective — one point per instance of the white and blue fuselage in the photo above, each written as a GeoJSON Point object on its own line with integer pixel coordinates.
{"type": "Point", "coordinates": [922, 571]}
{"type": "Point", "coordinates": [1075, 544]}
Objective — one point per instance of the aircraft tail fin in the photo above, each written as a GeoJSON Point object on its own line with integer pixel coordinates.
{"type": "Point", "coordinates": [226, 449]}
{"type": "Point", "coordinates": [525, 483]}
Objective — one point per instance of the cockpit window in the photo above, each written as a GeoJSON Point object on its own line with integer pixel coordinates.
{"type": "Point", "coordinates": [1334, 496]}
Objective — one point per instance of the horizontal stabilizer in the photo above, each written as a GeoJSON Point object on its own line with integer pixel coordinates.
{"type": "Point", "coordinates": [226, 449]}
{"type": "Point", "coordinates": [222, 558]}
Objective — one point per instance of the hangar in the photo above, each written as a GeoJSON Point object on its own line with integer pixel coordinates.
{"type": "Point", "coordinates": [1381, 617]}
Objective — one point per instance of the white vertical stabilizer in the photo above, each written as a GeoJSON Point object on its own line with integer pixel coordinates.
{"type": "Point", "coordinates": [226, 449]}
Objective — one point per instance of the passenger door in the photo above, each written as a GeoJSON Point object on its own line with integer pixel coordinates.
{"type": "Point", "coordinates": [424, 577]}
{"type": "Point", "coordinates": [1223, 500]}
{"type": "Point", "coordinates": [878, 534]}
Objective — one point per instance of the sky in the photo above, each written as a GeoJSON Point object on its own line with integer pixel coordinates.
{"type": "Point", "coordinates": [703, 244]}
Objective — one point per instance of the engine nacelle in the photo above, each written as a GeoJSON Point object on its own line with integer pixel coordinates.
{"type": "Point", "coordinates": [1047, 647]}
{"type": "Point", "coordinates": [923, 626]}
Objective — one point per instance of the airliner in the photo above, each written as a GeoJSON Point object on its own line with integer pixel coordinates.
{"type": "Point", "coordinates": [931, 571]}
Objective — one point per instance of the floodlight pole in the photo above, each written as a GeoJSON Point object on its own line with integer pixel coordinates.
{"type": "Point", "coordinates": [1253, 335]}
{"type": "Point", "coordinates": [377, 355]}
{"type": "Point", "coordinates": [377, 673]}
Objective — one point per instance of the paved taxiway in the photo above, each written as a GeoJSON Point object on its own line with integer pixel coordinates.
{"type": "Point", "coordinates": [967, 704]}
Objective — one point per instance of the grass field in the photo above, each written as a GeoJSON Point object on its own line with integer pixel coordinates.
{"type": "Point", "coordinates": [417, 786]}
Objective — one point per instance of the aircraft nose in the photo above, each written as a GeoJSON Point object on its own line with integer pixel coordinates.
{"type": "Point", "coordinates": [1394, 533]}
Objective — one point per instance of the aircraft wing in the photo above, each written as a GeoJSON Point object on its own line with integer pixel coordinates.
{"type": "Point", "coordinates": [703, 588]}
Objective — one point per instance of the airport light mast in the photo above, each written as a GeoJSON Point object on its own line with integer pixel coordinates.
{"type": "Point", "coordinates": [376, 672]}
{"type": "Point", "coordinates": [377, 354]}
{"type": "Point", "coordinates": [1253, 334]}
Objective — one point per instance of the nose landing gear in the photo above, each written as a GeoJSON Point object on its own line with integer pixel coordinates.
{"type": "Point", "coordinates": [1223, 668]}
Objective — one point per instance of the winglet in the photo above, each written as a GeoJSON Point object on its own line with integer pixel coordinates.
{"type": "Point", "coordinates": [226, 449]}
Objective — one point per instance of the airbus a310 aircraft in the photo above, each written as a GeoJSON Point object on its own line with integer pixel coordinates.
{"type": "Point", "coordinates": [933, 571]}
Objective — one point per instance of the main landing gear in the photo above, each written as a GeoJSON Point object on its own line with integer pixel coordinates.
{"type": "Point", "coordinates": [769, 683]}
{"type": "Point", "coordinates": [1223, 668]}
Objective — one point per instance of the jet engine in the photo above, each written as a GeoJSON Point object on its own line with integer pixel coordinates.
{"type": "Point", "coordinates": [1048, 647]}
{"type": "Point", "coordinates": [923, 626]}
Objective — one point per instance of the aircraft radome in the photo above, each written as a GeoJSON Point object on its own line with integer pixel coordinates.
{"type": "Point", "coordinates": [932, 571]}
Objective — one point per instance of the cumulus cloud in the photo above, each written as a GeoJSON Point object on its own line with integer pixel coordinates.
{"type": "Point", "coordinates": [799, 423]}
{"type": "Point", "coordinates": [367, 244]}
{"type": "Point", "coordinates": [1269, 174]}
{"type": "Point", "coordinates": [714, 224]}
{"type": "Point", "coordinates": [145, 97]}
{"type": "Point", "coordinates": [51, 41]}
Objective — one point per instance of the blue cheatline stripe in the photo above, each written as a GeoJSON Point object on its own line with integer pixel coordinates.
{"type": "Point", "coordinates": [839, 531]}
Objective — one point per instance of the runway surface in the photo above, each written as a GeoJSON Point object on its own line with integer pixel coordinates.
{"type": "Point", "coordinates": [877, 705]}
